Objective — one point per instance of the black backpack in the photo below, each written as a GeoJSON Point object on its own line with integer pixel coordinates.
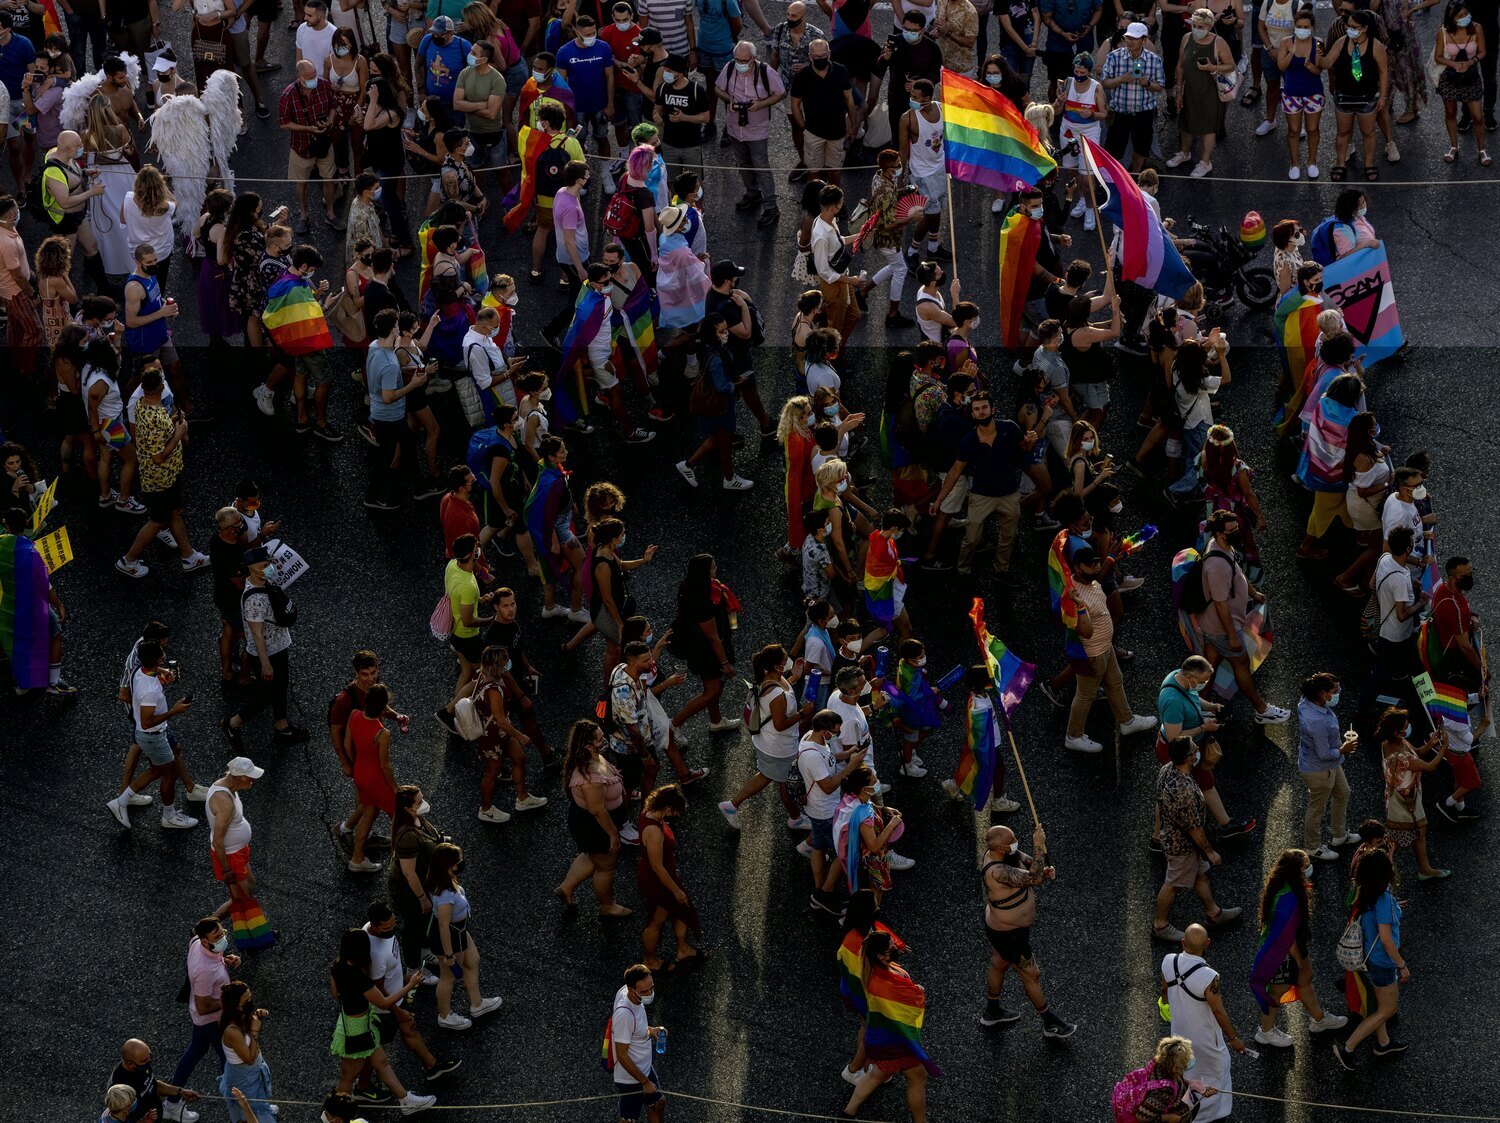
{"type": "Point", "coordinates": [36, 202]}
{"type": "Point", "coordinates": [1194, 599]}
{"type": "Point", "coordinates": [549, 167]}
{"type": "Point", "coordinates": [283, 611]}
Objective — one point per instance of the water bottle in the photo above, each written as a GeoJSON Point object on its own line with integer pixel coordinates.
{"type": "Point", "coordinates": [814, 681]}
{"type": "Point", "coordinates": [882, 660]}
{"type": "Point", "coordinates": [951, 679]}
{"type": "Point", "coordinates": [661, 1042]}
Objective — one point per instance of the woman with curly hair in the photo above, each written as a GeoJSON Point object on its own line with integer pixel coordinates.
{"type": "Point", "coordinates": [55, 292]}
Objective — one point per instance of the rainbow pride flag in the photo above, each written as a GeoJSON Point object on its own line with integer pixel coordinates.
{"type": "Point", "coordinates": [570, 399]}
{"type": "Point", "coordinates": [851, 968]}
{"type": "Point", "coordinates": [908, 477]}
{"type": "Point", "coordinates": [1276, 938]}
{"type": "Point", "coordinates": [468, 238]}
{"type": "Point", "coordinates": [530, 144]}
{"type": "Point", "coordinates": [1020, 238]}
{"type": "Point", "coordinates": [913, 698]}
{"type": "Point", "coordinates": [975, 774]}
{"type": "Point", "coordinates": [986, 140]}
{"type": "Point", "coordinates": [1060, 592]}
{"type": "Point", "coordinates": [885, 583]}
{"type": "Point", "coordinates": [1451, 704]}
{"type": "Point", "coordinates": [896, 1008]}
{"type": "Point", "coordinates": [52, 23]}
{"type": "Point", "coordinates": [294, 317]}
{"type": "Point", "coordinates": [1011, 675]}
{"type": "Point", "coordinates": [1295, 328]}
{"type": "Point", "coordinates": [115, 433]}
{"type": "Point", "coordinates": [635, 327]}
{"type": "Point", "coordinates": [549, 498]}
{"type": "Point", "coordinates": [23, 610]}
{"type": "Point", "coordinates": [251, 928]}
{"type": "Point", "coordinates": [531, 94]}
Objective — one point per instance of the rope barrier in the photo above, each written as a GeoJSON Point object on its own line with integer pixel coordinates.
{"type": "Point", "coordinates": [1237, 1094]}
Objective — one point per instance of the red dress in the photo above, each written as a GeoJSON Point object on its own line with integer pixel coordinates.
{"type": "Point", "coordinates": [369, 778]}
{"type": "Point", "coordinates": [653, 891]}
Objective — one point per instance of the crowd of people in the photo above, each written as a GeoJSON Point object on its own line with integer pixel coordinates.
{"type": "Point", "coordinates": [512, 113]}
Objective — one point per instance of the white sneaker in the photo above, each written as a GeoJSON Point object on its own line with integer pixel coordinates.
{"type": "Point", "coordinates": [1330, 1021]}
{"type": "Point", "coordinates": [1003, 805]}
{"type": "Point", "coordinates": [555, 611]}
{"type": "Point", "coordinates": [1272, 715]}
{"type": "Point", "coordinates": [1138, 723]}
{"type": "Point", "coordinates": [117, 809]}
{"type": "Point", "coordinates": [167, 538]}
{"type": "Point", "coordinates": [723, 724]}
{"type": "Point", "coordinates": [851, 1077]}
{"type": "Point", "coordinates": [1312, 171]}
{"type": "Point", "coordinates": [1346, 839]}
{"type": "Point", "coordinates": [455, 1022]}
{"type": "Point", "coordinates": [882, 788]}
{"type": "Point", "coordinates": [899, 861]}
{"type": "Point", "coordinates": [1088, 220]}
{"type": "Point", "coordinates": [195, 794]}
{"type": "Point", "coordinates": [428, 978]}
{"type": "Point", "coordinates": [174, 820]}
{"type": "Point", "coordinates": [132, 569]}
{"type": "Point", "coordinates": [265, 400]}
{"type": "Point", "coordinates": [415, 1103]}
{"type": "Point", "coordinates": [918, 761]}
{"type": "Point", "coordinates": [1200, 169]}
{"type": "Point", "coordinates": [493, 815]}
{"type": "Point", "coordinates": [1264, 127]}
{"type": "Point", "coordinates": [1177, 159]}
{"type": "Point", "coordinates": [685, 470]}
{"type": "Point", "coordinates": [609, 184]}
{"type": "Point", "coordinates": [195, 561]}
{"type": "Point", "coordinates": [1324, 854]}
{"type": "Point", "coordinates": [731, 814]}
{"type": "Point", "coordinates": [629, 834]}
{"type": "Point", "coordinates": [1274, 1037]}
{"type": "Point", "coordinates": [1082, 745]}
{"type": "Point", "coordinates": [579, 617]}
{"type": "Point", "coordinates": [1294, 172]}
{"type": "Point", "coordinates": [805, 849]}
{"type": "Point", "coordinates": [531, 803]}
{"type": "Point", "coordinates": [737, 483]}
{"type": "Point", "coordinates": [139, 799]}
{"type": "Point", "coordinates": [913, 770]}
{"type": "Point", "coordinates": [800, 823]}
{"type": "Point", "coordinates": [488, 1006]}
{"type": "Point", "coordinates": [997, 207]}
{"type": "Point", "coordinates": [1079, 208]}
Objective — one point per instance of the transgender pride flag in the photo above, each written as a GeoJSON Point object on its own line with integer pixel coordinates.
{"type": "Point", "coordinates": [1147, 255]}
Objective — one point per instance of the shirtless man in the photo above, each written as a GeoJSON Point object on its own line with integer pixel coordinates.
{"type": "Point", "coordinates": [120, 94]}
{"type": "Point", "coordinates": [1010, 880]}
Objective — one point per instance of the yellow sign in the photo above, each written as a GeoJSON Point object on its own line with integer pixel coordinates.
{"type": "Point", "coordinates": [55, 549]}
{"type": "Point", "coordinates": [44, 505]}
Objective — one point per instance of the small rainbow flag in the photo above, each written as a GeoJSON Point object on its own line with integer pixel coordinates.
{"type": "Point", "coordinates": [975, 774]}
{"type": "Point", "coordinates": [986, 140]}
{"type": "Point", "coordinates": [468, 238]}
{"type": "Point", "coordinates": [896, 1009]}
{"type": "Point", "coordinates": [1020, 239]}
{"type": "Point", "coordinates": [115, 434]}
{"type": "Point", "coordinates": [251, 928]}
{"type": "Point", "coordinates": [1451, 704]}
{"type": "Point", "coordinates": [294, 317]}
{"type": "Point", "coordinates": [1011, 675]}
{"type": "Point", "coordinates": [885, 583]}
{"type": "Point", "coordinates": [1060, 591]}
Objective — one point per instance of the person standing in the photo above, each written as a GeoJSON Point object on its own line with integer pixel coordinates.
{"type": "Point", "coordinates": [1400, 606]}
{"type": "Point", "coordinates": [1096, 630]}
{"type": "Point", "coordinates": [989, 458]}
{"type": "Point", "coordinates": [207, 973]}
{"type": "Point", "coordinates": [1190, 987]}
{"type": "Point", "coordinates": [823, 112]}
{"type": "Point", "coordinates": [823, 764]}
{"type": "Point", "coordinates": [908, 54]}
{"type": "Point", "coordinates": [750, 88]}
{"type": "Point", "coordinates": [632, 1038]}
{"type": "Point", "coordinates": [479, 94]}
{"type": "Point", "coordinates": [1134, 77]}
{"type": "Point", "coordinates": [1320, 761]}
{"type": "Point", "coordinates": [269, 617]}
{"type": "Point", "coordinates": [1010, 880]}
{"type": "Point", "coordinates": [388, 391]}
{"type": "Point", "coordinates": [1179, 803]}
{"type": "Point", "coordinates": [921, 145]}
{"type": "Point", "coordinates": [160, 437]}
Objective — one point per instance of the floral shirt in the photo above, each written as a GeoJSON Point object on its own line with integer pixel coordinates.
{"type": "Point", "coordinates": [627, 705]}
{"type": "Point", "coordinates": [792, 59]}
{"type": "Point", "coordinates": [153, 432]}
{"type": "Point", "coordinates": [927, 396]}
{"type": "Point", "coordinates": [1181, 804]}
{"type": "Point", "coordinates": [961, 18]}
{"type": "Point", "coordinates": [884, 194]}
{"type": "Point", "coordinates": [1401, 779]}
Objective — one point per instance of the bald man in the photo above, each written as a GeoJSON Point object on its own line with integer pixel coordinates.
{"type": "Point", "coordinates": [305, 110]}
{"type": "Point", "coordinates": [1010, 880]}
{"type": "Point", "coordinates": [134, 1070]}
{"type": "Point", "coordinates": [1191, 988]}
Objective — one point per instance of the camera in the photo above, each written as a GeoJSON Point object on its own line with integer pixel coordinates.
{"type": "Point", "coordinates": [743, 108]}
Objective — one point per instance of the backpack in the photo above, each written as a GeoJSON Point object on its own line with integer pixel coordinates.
{"type": "Point", "coordinates": [549, 167]}
{"type": "Point", "coordinates": [1133, 1089]}
{"type": "Point", "coordinates": [477, 458]}
{"type": "Point", "coordinates": [467, 716]}
{"type": "Point", "coordinates": [1194, 599]}
{"type": "Point", "coordinates": [37, 192]}
{"type": "Point", "coordinates": [755, 717]}
{"type": "Point", "coordinates": [1320, 245]}
{"type": "Point", "coordinates": [1350, 951]}
{"type": "Point", "coordinates": [621, 217]}
{"type": "Point", "coordinates": [1371, 620]}
{"type": "Point", "coordinates": [283, 611]}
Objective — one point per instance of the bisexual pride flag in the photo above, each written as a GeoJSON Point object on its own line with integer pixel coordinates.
{"type": "Point", "coordinates": [1147, 255]}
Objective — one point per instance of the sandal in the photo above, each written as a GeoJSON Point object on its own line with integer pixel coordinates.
{"type": "Point", "coordinates": [1339, 174]}
{"type": "Point", "coordinates": [1252, 95]}
{"type": "Point", "coordinates": [1450, 155]}
{"type": "Point", "coordinates": [1372, 173]}
{"type": "Point", "coordinates": [1484, 159]}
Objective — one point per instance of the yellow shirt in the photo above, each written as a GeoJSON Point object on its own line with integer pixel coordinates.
{"type": "Point", "coordinates": [462, 588]}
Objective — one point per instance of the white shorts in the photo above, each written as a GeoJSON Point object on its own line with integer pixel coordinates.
{"type": "Point", "coordinates": [1076, 130]}
{"type": "Point", "coordinates": [954, 503]}
{"type": "Point", "coordinates": [604, 373]}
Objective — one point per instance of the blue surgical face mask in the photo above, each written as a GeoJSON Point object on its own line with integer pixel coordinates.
{"type": "Point", "coordinates": [221, 945]}
{"type": "Point", "coordinates": [376, 193]}
{"type": "Point", "coordinates": [1089, 533]}
{"type": "Point", "coordinates": [993, 79]}
{"type": "Point", "coordinates": [508, 663]}
{"type": "Point", "coordinates": [648, 639]}
{"type": "Point", "coordinates": [1333, 699]}
{"type": "Point", "coordinates": [540, 75]}
{"type": "Point", "coordinates": [842, 486]}
{"type": "Point", "coordinates": [1302, 32]}
{"type": "Point", "coordinates": [1037, 213]}
{"type": "Point", "coordinates": [474, 60]}
{"type": "Point", "coordinates": [911, 36]}
{"type": "Point", "coordinates": [1352, 32]}
{"type": "Point", "coordinates": [830, 411]}
{"type": "Point", "coordinates": [742, 67]}
{"type": "Point", "coordinates": [669, 76]}
{"type": "Point", "coordinates": [915, 104]}
{"type": "Point", "coordinates": [270, 573]}
{"type": "Point", "coordinates": [588, 40]}
{"type": "Point", "coordinates": [310, 83]}
{"type": "Point", "coordinates": [1464, 21]}
{"type": "Point", "coordinates": [1407, 731]}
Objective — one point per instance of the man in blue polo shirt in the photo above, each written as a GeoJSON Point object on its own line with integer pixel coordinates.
{"type": "Point", "coordinates": [990, 456]}
{"type": "Point", "coordinates": [589, 66]}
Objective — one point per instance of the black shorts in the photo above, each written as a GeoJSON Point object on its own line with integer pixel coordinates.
{"type": "Point", "coordinates": [494, 516]}
{"type": "Point", "coordinates": [633, 1100]}
{"type": "Point", "coordinates": [161, 505]}
{"type": "Point", "coordinates": [1012, 945]}
{"type": "Point", "coordinates": [71, 417]}
{"type": "Point", "coordinates": [229, 612]}
{"type": "Point", "coordinates": [1060, 66]}
{"type": "Point", "coordinates": [385, 1025]}
{"type": "Point", "coordinates": [470, 647]}
{"type": "Point", "coordinates": [266, 10]}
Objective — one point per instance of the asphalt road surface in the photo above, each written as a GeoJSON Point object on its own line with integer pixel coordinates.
{"type": "Point", "coordinates": [98, 917]}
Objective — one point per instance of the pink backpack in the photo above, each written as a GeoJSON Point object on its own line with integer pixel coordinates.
{"type": "Point", "coordinates": [1130, 1091]}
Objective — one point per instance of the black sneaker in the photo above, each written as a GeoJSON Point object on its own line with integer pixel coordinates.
{"type": "Point", "coordinates": [1466, 814]}
{"type": "Point", "coordinates": [442, 1069]}
{"type": "Point", "coordinates": [235, 737]}
{"type": "Point", "coordinates": [291, 735]}
{"type": "Point", "coordinates": [1053, 696]}
{"type": "Point", "coordinates": [899, 321]}
{"type": "Point", "coordinates": [1390, 1048]}
{"type": "Point", "coordinates": [445, 719]}
{"type": "Point", "coordinates": [997, 1015]}
{"type": "Point", "coordinates": [302, 428]}
{"type": "Point", "coordinates": [768, 217]}
{"type": "Point", "coordinates": [748, 203]}
{"type": "Point", "coordinates": [1343, 1056]}
{"type": "Point", "coordinates": [328, 433]}
{"type": "Point", "coordinates": [1236, 827]}
{"type": "Point", "coordinates": [1057, 1029]}
{"type": "Point", "coordinates": [375, 1097]}
{"type": "Point", "coordinates": [429, 489]}
{"type": "Point", "coordinates": [640, 437]}
{"type": "Point", "coordinates": [935, 565]}
{"type": "Point", "coordinates": [799, 174]}
{"type": "Point", "coordinates": [821, 900]}
{"type": "Point", "coordinates": [1465, 123]}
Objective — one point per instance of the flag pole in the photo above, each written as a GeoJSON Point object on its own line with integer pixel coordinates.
{"type": "Point", "coordinates": [1020, 768]}
{"type": "Point", "coordinates": [1088, 183]}
{"type": "Point", "coordinates": [952, 229]}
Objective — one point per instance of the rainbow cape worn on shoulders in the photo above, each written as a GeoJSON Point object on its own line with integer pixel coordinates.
{"type": "Point", "coordinates": [24, 633]}
{"type": "Point", "coordinates": [885, 582]}
{"type": "Point", "coordinates": [569, 398]}
{"type": "Point", "coordinates": [530, 144]}
{"type": "Point", "coordinates": [913, 698]}
{"type": "Point", "coordinates": [975, 774]}
{"type": "Point", "coordinates": [848, 958]}
{"type": "Point", "coordinates": [294, 317]}
{"type": "Point", "coordinates": [1276, 939]}
{"type": "Point", "coordinates": [548, 500]}
{"type": "Point", "coordinates": [1060, 591]}
{"type": "Point", "coordinates": [896, 1009]}
{"type": "Point", "coordinates": [908, 477]}
{"type": "Point", "coordinates": [531, 93]}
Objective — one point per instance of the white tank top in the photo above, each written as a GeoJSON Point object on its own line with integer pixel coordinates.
{"type": "Point", "coordinates": [931, 329]}
{"type": "Point", "coordinates": [927, 149]}
{"type": "Point", "coordinates": [778, 743]}
{"type": "Point", "coordinates": [110, 406]}
{"type": "Point", "coordinates": [237, 837]}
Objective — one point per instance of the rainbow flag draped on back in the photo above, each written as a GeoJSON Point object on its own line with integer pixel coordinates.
{"type": "Point", "coordinates": [908, 477]}
{"type": "Point", "coordinates": [570, 399]}
{"type": "Point", "coordinates": [1060, 591]}
{"type": "Point", "coordinates": [1294, 325]}
{"type": "Point", "coordinates": [986, 140]}
{"type": "Point", "coordinates": [1276, 939]}
{"type": "Point", "coordinates": [294, 317]}
{"type": "Point", "coordinates": [913, 698]}
{"type": "Point", "coordinates": [52, 23]}
{"type": "Point", "coordinates": [1020, 238]}
{"type": "Point", "coordinates": [975, 774]}
{"type": "Point", "coordinates": [635, 327]}
{"type": "Point", "coordinates": [23, 610]}
{"type": "Point", "coordinates": [1011, 674]}
{"type": "Point", "coordinates": [850, 965]}
{"type": "Point", "coordinates": [896, 1009]}
{"type": "Point", "coordinates": [558, 91]}
{"type": "Point", "coordinates": [468, 238]}
{"type": "Point", "coordinates": [251, 928]}
{"type": "Point", "coordinates": [530, 144]}
{"type": "Point", "coordinates": [548, 500]}
{"type": "Point", "coordinates": [885, 583]}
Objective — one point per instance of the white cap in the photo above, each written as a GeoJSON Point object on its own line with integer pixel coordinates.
{"type": "Point", "coordinates": [163, 64]}
{"type": "Point", "coordinates": [244, 766]}
{"type": "Point", "coordinates": [1136, 31]}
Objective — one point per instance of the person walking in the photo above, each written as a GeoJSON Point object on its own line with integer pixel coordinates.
{"type": "Point", "coordinates": [989, 457]}
{"type": "Point", "coordinates": [1190, 987]}
{"type": "Point", "coordinates": [661, 885]}
{"type": "Point", "coordinates": [1283, 969]}
{"type": "Point", "coordinates": [392, 979]}
{"type": "Point", "coordinates": [631, 1042]}
{"type": "Point", "coordinates": [895, 1008]}
{"type": "Point", "coordinates": [1320, 762]}
{"type": "Point", "coordinates": [356, 1036]}
{"type": "Point", "coordinates": [1096, 631]}
{"type": "Point", "coordinates": [245, 1068]}
{"type": "Point", "coordinates": [1229, 594]}
{"type": "Point", "coordinates": [414, 838]}
{"type": "Point", "coordinates": [1379, 916]}
{"type": "Point", "coordinates": [1190, 856]}
{"type": "Point", "coordinates": [148, 704]}
{"type": "Point", "coordinates": [449, 940]}
{"type": "Point", "coordinates": [369, 752]}
{"type": "Point", "coordinates": [208, 964]}
{"type": "Point", "coordinates": [596, 818]}
{"type": "Point", "coordinates": [776, 718]}
{"type": "Point", "coordinates": [269, 617]}
{"type": "Point", "coordinates": [1011, 879]}
{"type": "Point", "coordinates": [230, 831]}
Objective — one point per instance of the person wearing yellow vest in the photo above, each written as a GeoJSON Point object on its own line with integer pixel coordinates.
{"type": "Point", "coordinates": [66, 192]}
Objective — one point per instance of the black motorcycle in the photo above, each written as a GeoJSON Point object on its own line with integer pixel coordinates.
{"type": "Point", "coordinates": [1222, 263]}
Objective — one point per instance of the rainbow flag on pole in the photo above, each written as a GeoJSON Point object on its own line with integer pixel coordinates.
{"type": "Point", "coordinates": [1060, 591]}
{"type": "Point", "coordinates": [1450, 704]}
{"type": "Point", "coordinates": [1020, 239]}
{"type": "Point", "coordinates": [896, 1009]}
{"type": "Point", "coordinates": [294, 317]}
{"type": "Point", "coordinates": [986, 140]}
{"type": "Point", "coordinates": [975, 774]}
{"type": "Point", "coordinates": [1011, 674]}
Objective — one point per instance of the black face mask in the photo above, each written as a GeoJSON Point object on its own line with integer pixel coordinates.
{"type": "Point", "coordinates": [1234, 537]}
{"type": "Point", "coordinates": [820, 64]}
{"type": "Point", "coordinates": [458, 868]}
{"type": "Point", "coordinates": [1466, 582]}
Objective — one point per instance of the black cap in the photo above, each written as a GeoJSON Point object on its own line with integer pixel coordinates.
{"type": "Point", "coordinates": [723, 270]}
{"type": "Point", "coordinates": [649, 37]}
{"type": "Point", "coordinates": [255, 555]}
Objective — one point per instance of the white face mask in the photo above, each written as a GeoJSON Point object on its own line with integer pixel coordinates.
{"type": "Point", "coordinates": [841, 487]}
{"type": "Point", "coordinates": [1014, 847]}
{"type": "Point", "coordinates": [1087, 446]}
{"type": "Point", "coordinates": [1116, 508]}
{"type": "Point", "coordinates": [512, 300]}
{"type": "Point", "coordinates": [1303, 33]}
{"type": "Point", "coordinates": [922, 662]}
{"type": "Point", "coordinates": [468, 152]}
{"type": "Point", "coordinates": [854, 645]}
{"type": "Point", "coordinates": [1202, 33]}
{"type": "Point", "coordinates": [647, 999]}
{"type": "Point", "coordinates": [588, 40]}
{"type": "Point", "coordinates": [623, 25]}
{"type": "Point", "coordinates": [1419, 492]}
{"type": "Point", "coordinates": [833, 622]}
{"type": "Point", "coordinates": [424, 807]}
{"type": "Point", "coordinates": [1298, 240]}
{"type": "Point", "coordinates": [742, 67]}
{"type": "Point", "coordinates": [669, 76]}
{"type": "Point", "coordinates": [546, 395]}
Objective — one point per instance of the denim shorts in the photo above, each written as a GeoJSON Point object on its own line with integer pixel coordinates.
{"type": "Point", "coordinates": [593, 124]}
{"type": "Point", "coordinates": [629, 108]}
{"type": "Point", "coordinates": [1382, 976]}
{"type": "Point", "coordinates": [822, 835]}
{"type": "Point", "coordinates": [156, 744]}
{"type": "Point", "coordinates": [515, 77]}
